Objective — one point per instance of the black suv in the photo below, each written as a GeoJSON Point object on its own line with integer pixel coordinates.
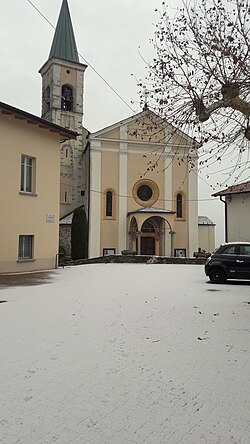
{"type": "Point", "coordinates": [229, 261]}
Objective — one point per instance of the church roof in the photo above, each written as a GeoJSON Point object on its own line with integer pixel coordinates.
{"type": "Point", "coordinates": [64, 44]}
{"type": "Point", "coordinates": [204, 220]}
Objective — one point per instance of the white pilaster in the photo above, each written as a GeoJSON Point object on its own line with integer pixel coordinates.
{"type": "Point", "coordinates": [95, 199]}
{"type": "Point", "coordinates": [192, 211]}
{"type": "Point", "coordinates": [168, 192]}
{"type": "Point", "coordinates": [123, 184]}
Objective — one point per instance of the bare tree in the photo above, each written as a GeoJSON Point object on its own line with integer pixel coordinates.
{"type": "Point", "coordinates": [199, 80]}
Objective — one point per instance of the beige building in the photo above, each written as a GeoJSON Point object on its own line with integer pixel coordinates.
{"type": "Point", "coordinates": [29, 195]}
{"type": "Point", "coordinates": [237, 212]}
{"type": "Point", "coordinates": [206, 234]}
{"type": "Point", "coordinates": [143, 189]}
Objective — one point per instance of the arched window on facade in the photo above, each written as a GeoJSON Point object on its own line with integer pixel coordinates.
{"type": "Point", "coordinates": [179, 205]}
{"type": "Point", "coordinates": [109, 203]}
{"type": "Point", "coordinates": [67, 98]}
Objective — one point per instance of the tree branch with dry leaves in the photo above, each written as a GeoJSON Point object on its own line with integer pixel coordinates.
{"type": "Point", "coordinates": [199, 79]}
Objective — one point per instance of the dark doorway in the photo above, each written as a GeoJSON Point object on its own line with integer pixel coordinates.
{"type": "Point", "coordinates": [148, 246]}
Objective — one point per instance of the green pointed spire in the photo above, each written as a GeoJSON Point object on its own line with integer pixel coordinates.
{"type": "Point", "coordinates": [64, 44]}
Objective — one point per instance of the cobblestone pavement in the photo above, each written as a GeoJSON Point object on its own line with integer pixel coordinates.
{"type": "Point", "coordinates": [125, 354]}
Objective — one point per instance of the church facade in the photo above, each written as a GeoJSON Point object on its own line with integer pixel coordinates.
{"type": "Point", "coordinates": [137, 179]}
{"type": "Point", "coordinates": [143, 190]}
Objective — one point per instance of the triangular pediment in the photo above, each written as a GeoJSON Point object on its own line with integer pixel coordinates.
{"type": "Point", "coordinates": [112, 131]}
{"type": "Point", "coordinates": [111, 128]}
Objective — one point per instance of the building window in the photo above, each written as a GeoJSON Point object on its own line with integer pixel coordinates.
{"type": "Point", "coordinates": [27, 167]}
{"type": "Point", "coordinates": [179, 205]}
{"type": "Point", "coordinates": [109, 203]}
{"type": "Point", "coordinates": [65, 189]}
{"type": "Point", "coordinates": [67, 98]}
{"type": "Point", "coordinates": [145, 192]}
{"type": "Point", "coordinates": [25, 248]}
{"type": "Point", "coordinates": [66, 155]}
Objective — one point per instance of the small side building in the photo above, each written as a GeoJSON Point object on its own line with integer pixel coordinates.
{"type": "Point", "coordinates": [65, 225]}
{"type": "Point", "coordinates": [30, 189]}
{"type": "Point", "coordinates": [206, 234]}
{"type": "Point", "coordinates": [237, 212]}
{"type": "Point", "coordinates": [65, 234]}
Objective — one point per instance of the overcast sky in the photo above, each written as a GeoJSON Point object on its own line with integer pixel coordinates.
{"type": "Point", "coordinates": [108, 34]}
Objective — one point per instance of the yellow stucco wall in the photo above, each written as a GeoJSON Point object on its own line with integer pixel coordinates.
{"type": "Point", "coordinates": [206, 238]}
{"type": "Point", "coordinates": [25, 214]}
{"type": "Point", "coordinates": [137, 166]}
{"type": "Point", "coordinates": [68, 76]}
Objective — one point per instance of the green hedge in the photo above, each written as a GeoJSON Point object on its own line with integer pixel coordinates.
{"type": "Point", "coordinates": [79, 234]}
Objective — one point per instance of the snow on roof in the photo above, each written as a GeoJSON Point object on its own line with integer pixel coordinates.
{"type": "Point", "coordinates": [204, 220]}
{"type": "Point", "coordinates": [67, 220]}
{"type": "Point", "coordinates": [151, 210]}
{"type": "Point", "coordinates": [234, 189]}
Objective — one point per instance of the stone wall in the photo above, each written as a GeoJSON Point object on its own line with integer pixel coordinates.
{"type": "Point", "coordinates": [65, 238]}
{"type": "Point", "coordinates": [121, 259]}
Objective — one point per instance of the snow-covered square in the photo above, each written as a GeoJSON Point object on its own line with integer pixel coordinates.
{"type": "Point", "coordinates": [128, 353]}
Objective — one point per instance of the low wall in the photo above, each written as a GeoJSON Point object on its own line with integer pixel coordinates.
{"type": "Point", "coordinates": [132, 259]}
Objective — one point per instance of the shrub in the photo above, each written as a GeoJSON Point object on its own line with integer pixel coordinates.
{"type": "Point", "coordinates": [79, 234]}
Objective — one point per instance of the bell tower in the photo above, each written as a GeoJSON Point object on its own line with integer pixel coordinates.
{"type": "Point", "coordinates": [62, 104]}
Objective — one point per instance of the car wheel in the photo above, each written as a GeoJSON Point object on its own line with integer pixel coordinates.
{"type": "Point", "coordinates": [217, 276]}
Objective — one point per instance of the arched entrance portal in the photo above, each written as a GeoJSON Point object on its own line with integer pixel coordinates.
{"type": "Point", "coordinates": [150, 235]}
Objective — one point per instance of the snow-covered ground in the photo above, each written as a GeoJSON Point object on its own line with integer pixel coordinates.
{"type": "Point", "coordinates": [124, 354]}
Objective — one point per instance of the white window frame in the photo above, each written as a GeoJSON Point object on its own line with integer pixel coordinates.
{"type": "Point", "coordinates": [25, 247]}
{"type": "Point", "coordinates": [27, 174]}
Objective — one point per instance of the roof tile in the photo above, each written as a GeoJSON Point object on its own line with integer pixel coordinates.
{"type": "Point", "coordinates": [234, 189]}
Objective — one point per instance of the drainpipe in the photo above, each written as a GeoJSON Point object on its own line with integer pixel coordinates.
{"type": "Point", "coordinates": [226, 230]}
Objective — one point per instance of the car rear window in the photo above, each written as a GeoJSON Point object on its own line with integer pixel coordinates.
{"type": "Point", "coordinates": [245, 250]}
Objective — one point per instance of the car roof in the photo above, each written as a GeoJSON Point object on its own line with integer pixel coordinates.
{"type": "Point", "coordinates": [234, 243]}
